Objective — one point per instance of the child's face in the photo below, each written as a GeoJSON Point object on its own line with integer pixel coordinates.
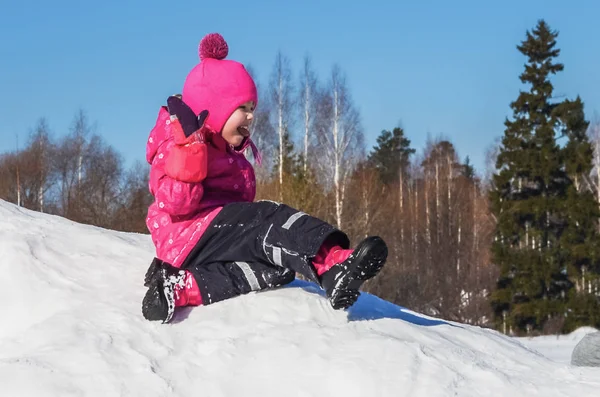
{"type": "Point", "coordinates": [237, 126]}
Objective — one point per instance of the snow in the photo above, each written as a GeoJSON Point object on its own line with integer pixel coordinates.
{"type": "Point", "coordinates": [72, 325]}
{"type": "Point", "coordinates": [558, 347]}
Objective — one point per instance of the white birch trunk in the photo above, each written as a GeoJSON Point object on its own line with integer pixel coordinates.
{"type": "Point", "coordinates": [280, 96]}
{"type": "Point", "coordinates": [42, 175]}
{"type": "Point", "coordinates": [41, 198]}
{"type": "Point", "coordinates": [80, 165]}
{"type": "Point", "coordinates": [366, 209]}
{"type": "Point", "coordinates": [339, 135]}
{"type": "Point", "coordinates": [307, 104]}
{"type": "Point", "coordinates": [18, 188]}
{"type": "Point", "coordinates": [336, 153]}
{"type": "Point", "coordinates": [280, 130]}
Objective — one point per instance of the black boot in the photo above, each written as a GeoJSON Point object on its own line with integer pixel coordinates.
{"type": "Point", "coordinates": [159, 302]}
{"type": "Point", "coordinates": [343, 281]}
{"type": "Point", "coordinates": [151, 272]}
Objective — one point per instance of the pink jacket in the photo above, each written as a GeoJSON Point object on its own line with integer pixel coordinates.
{"type": "Point", "coordinates": [182, 211]}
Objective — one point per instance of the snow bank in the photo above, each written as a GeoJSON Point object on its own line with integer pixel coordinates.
{"type": "Point", "coordinates": [72, 325]}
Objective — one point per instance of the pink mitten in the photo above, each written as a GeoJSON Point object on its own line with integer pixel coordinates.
{"type": "Point", "coordinates": [187, 160]}
{"type": "Point", "coordinates": [187, 163]}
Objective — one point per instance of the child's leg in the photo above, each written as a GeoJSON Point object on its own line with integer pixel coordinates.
{"type": "Point", "coordinates": [202, 284]}
{"type": "Point", "coordinates": [186, 292]}
{"type": "Point", "coordinates": [268, 232]}
{"type": "Point", "coordinates": [189, 293]}
{"type": "Point", "coordinates": [329, 255]}
{"type": "Point", "coordinates": [218, 281]}
{"type": "Point", "coordinates": [285, 238]}
{"type": "Point", "coordinates": [168, 287]}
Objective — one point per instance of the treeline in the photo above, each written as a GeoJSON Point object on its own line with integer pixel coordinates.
{"type": "Point", "coordinates": [463, 246]}
{"type": "Point", "coordinates": [432, 210]}
{"type": "Point", "coordinates": [77, 176]}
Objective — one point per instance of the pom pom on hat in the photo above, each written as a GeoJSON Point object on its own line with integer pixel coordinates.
{"type": "Point", "coordinates": [213, 45]}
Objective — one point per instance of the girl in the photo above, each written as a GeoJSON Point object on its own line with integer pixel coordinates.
{"type": "Point", "coordinates": [213, 242]}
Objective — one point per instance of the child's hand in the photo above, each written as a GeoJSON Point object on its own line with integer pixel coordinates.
{"type": "Point", "coordinates": [187, 160]}
{"type": "Point", "coordinates": [191, 126]}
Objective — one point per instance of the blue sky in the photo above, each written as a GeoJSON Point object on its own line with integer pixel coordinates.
{"type": "Point", "coordinates": [438, 68]}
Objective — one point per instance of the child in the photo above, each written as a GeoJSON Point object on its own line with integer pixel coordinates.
{"type": "Point", "coordinates": [213, 242]}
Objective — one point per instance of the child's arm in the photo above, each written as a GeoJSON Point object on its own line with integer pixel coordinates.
{"type": "Point", "coordinates": [178, 171]}
{"type": "Point", "coordinates": [175, 197]}
{"type": "Point", "coordinates": [177, 174]}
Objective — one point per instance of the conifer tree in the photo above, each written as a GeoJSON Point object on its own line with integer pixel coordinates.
{"type": "Point", "coordinates": [391, 155]}
{"type": "Point", "coordinates": [468, 171]}
{"type": "Point", "coordinates": [581, 234]}
{"type": "Point", "coordinates": [535, 197]}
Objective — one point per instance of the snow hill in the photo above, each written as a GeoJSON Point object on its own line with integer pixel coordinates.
{"type": "Point", "coordinates": [71, 326]}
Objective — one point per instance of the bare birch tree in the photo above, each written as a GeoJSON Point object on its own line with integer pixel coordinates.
{"type": "Point", "coordinates": [40, 147]}
{"type": "Point", "coordinates": [281, 90]}
{"type": "Point", "coordinates": [134, 199]}
{"type": "Point", "coordinates": [27, 175]}
{"type": "Point", "coordinates": [70, 162]}
{"type": "Point", "coordinates": [262, 131]}
{"type": "Point", "coordinates": [594, 136]}
{"type": "Point", "coordinates": [307, 98]}
{"type": "Point", "coordinates": [100, 188]}
{"type": "Point", "coordinates": [340, 138]}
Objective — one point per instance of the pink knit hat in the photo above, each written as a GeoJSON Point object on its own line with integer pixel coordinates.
{"type": "Point", "coordinates": [217, 85]}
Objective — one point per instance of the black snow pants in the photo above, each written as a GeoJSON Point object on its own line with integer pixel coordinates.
{"type": "Point", "coordinates": [255, 246]}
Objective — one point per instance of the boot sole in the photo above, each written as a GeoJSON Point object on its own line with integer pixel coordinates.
{"type": "Point", "coordinates": [157, 290]}
{"type": "Point", "coordinates": [368, 261]}
{"type": "Point", "coordinates": [149, 309]}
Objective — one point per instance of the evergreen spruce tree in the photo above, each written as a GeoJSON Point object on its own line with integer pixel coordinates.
{"type": "Point", "coordinates": [581, 233]}
{"type": "Point", "coordinates": [535, 198]}
{"type": "Point", "coordinates": [391, 155]}
{"type": "Point", "coordinates": [467, 169]}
